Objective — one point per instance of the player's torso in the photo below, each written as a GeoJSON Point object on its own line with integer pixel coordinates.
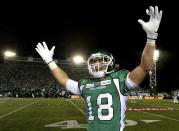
{"type": "Point", "coordinates": [103, 104]}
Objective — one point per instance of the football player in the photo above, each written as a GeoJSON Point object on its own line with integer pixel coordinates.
{"type": "Point", "coordinates": [175, 96]}
{"type": "Point", "coordinates": [106, 92]}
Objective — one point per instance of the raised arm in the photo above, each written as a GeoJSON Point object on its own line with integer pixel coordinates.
{"type": "Point", "coordinates": [47, 55]}
{"type": "Point", "coordinates": [138, 74]}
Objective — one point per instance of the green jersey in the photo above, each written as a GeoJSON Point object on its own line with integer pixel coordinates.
{"type": "Point", "coordinates": [106, 101]}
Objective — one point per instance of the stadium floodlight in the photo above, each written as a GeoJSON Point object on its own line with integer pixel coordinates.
{"type": "Point", "coordinates": [78, 59]}
{"type": "Point", "coordinates": [156, 55]}
{"type": "Point", "coordinates": [9, 54]}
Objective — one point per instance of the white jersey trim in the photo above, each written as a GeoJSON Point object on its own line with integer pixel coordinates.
{"type": "Point", "coordinates": [123, 100]}
{"type": "Point", "coordinates": [72, 86]}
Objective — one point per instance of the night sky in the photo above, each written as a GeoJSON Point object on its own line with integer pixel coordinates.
{"type": "Point", "coordinates": [79, 28]}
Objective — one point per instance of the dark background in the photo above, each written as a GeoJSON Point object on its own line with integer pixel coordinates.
{"type": "Point", "coordinates": [81, 27]}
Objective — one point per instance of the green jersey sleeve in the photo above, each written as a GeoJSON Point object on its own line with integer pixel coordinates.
{"type": "Point", "coordinates": [81, 84]}
{"type": "Point", "coordinates": [121, 75]}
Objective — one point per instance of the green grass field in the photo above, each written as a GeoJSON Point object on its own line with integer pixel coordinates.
{"type": "Point", "coordinates": [69, 115]}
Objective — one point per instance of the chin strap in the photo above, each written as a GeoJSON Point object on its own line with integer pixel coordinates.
{"type": "Point", "coordinates": [99, 74]}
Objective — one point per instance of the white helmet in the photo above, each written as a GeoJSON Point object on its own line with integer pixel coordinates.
{"type": "Point", "coordinates": [100, 62]}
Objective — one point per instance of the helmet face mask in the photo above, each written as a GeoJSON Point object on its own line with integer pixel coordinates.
{"type": "Point", "coordinates": [100, 63]}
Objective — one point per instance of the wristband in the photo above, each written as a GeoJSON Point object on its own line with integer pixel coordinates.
{"type": "Point", "coordinates": [52, 65]}
{"type": "Point", "coordinates": [152, 36]}
{"type": "Point", "coordinates": [151, 42]}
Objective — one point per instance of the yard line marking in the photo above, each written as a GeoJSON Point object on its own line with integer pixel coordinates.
{"type": "Point", "coordinates": [159, 116]}
{"type": "Point", "coordinates": [77, 107]}
{"type": "Point", "coordinates": [149, 109]}
{"type": "Point", "coordinates": [169, 107]}
{"type": "Point", "coordinates": [2, 116]}
{"type": "Point", "coordinates": [163, 106]}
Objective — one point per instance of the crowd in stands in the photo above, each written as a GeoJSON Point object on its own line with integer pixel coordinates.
{"type": "Point", "coordinates": [26, 78]}
{"type": "Point", "coordinates": [34, 80]}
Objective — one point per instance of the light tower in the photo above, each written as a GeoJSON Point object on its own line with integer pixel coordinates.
{"type": "Point", "coordinates": [78, 59]}
{"type": "Point", "coordinates": [9, 54]}
{"type": "Point", "coordinates": [153, 74]}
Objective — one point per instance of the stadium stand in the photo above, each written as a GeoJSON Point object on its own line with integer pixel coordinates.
{"type": "Point", "coordinates": [29, 77]}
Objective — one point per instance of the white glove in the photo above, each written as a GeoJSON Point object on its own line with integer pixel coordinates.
{"type": "Point", "coordinates": [151, 27]}
{"type": "Point", "coordinates": [44, 52]}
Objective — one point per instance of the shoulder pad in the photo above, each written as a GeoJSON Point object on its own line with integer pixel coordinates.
{"type": "Point", "coordinates": [121, 73]}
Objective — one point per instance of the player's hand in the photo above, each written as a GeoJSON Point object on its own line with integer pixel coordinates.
{"type": "Point", "coordinates": [151, 27]}
{"type": "Point", "coordinates": [44, 52]}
